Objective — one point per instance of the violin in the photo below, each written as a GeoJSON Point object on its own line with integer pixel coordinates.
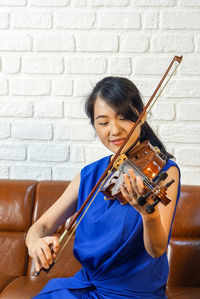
{"type": "Point", "coordinates": [122, 162]}
{"type": "Point", "coordinates": [147, 164]}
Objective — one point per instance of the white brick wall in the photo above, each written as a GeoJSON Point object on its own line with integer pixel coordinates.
{"type": "Point", "coordinates": [52, 52]}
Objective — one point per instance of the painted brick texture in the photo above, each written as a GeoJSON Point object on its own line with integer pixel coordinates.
{"type": "Point", "coordinates": [52, 53]}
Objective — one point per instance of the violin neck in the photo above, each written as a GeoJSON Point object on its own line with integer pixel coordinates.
{"type": "Point", "coordinates": [127, 164]}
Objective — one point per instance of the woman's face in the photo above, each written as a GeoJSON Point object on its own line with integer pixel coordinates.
{"type": "Point", "coordinates": [111, 127]}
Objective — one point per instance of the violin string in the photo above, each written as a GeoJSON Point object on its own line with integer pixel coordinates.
{"type": "Point", "coordinates": [146, 181]}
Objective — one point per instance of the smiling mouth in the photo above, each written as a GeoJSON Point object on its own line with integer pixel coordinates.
{"type": "Point", "coordinates": [117, 141]}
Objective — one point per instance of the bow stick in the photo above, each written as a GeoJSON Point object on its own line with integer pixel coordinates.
{"type": "Point", "coordinates": [110, 165]}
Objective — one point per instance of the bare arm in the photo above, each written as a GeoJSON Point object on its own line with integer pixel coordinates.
{"type": "Point", "coordinates": [156, 226]}
{"type": "Point", "coordinates": [39, 237]}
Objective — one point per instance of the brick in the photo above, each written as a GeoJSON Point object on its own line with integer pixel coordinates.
{"type": "Point", "coordinates": [4, 172]}
{"type": "Point", "coordinates": [94, 152]}
{"type": "Point", "coordinates": [48, 152]}
{"type": "Point", "coordinates": [15, 42]}
{"type": "Point", "coordinates": [179, 133]}
{"type": "Point", "coordinates": [74, 19]}
{"type": "Point", "coordinates": [62, 87]}
{"type": "Point", "coordinates": [83, 87]}
{"type": "Point", "coordinates": [86, 65]}
{"type": "Point", "coordinates": [150, 65]}
{"type": "Point", "coordinates": [163, 111]}
{"type": "Point", "coordinates": [172, 43]}
{"type": "Point", "coordinates": [177, 20]}
{"type": "Point", "coordinates": [29, 86]}
{"type": "Point", "coordinates": [188, 111]}
{"type": "Point", "coordinates": [190, 176]}
{"type": "Point", "coordinates": [3, 87]}
{"type": "Point", "coordinates": [188, 155]}
{"type": "Point", "coordinates": [4, 20]}
{"type": "Point", "coordinates": [119, 20]}
{"type": "Point", "coordinates": [13, 2]}
{"type": "Point", "coordinates": [49, 109]}
{"type": "Point", "coordinates": [146, 87]}
{"type": "Point", "coordinates": [11, 65]}
{"type": "Point", "coordinates": [190, 65]}
{"type": "Point", "coordinates": [42, 65]}
{"type": "Point", "coordinates": [108, 3]}
{"type": "Point", "coordinates": [134, 43]}
{"type": "Point", "coordinates": [77, 153]}
{"type": "Point", "coordinates": [152, 124]}
{"type": "Point", "coordinates": [54, 42]}
{"type": "Point", "coordinates": [190, 3]}
{"type": "Point", "coordinates": [49, 3]}
{"type": "Point", "coordinates": [78, 3]}
{"type": "Point", "coordinates": [198, 44]}
{"type": "Point", "coordinates": [75, 108]}
{"type": "Point", "coordinates": [31, 129]}
{"type": "Point", "coordinates": [169, 149]}
{"type": "Point", "coordinates": [9, 151]}
{"type": "Point", "coordinates": [66, 172]}
{"type": "Point", "coordinates": [158, 3]}
{"type": "Point", "coordinates": [97, 43]}
{"type": "Point", "coordinates": [183, 88]}
{"type": "Point", "coordinates": [120, 65]}
{"type": "Point", "coordinates": [30, 172]}
{"type": "Point", "coordinates": [31, 19]}
{"type": "Point", "coordinates": [16, 108]}
{"type": "Point", "coordinates": [4, 129]}
{"type": "Point", "coordinates": [73, 130]}
{"type": "Point", "coordinates": [150, 20]}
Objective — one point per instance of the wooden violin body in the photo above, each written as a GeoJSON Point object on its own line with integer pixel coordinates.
{"type": "Point", "coordinates": [146, 163]}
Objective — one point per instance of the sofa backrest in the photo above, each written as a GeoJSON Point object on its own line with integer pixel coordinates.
{"type": "Point", "coordinates": [184, 248]}
{"type": "Point", "coordinates": [23, 202]}
{"type": "Point", "coordinates": [16, 205]}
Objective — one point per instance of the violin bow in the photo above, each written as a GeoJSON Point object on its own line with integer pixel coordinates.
{"type": "Point", "coordinates": [70, 229]}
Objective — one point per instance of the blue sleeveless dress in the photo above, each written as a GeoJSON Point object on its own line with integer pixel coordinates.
{"type": "Point", "coordinates": [109, 245]}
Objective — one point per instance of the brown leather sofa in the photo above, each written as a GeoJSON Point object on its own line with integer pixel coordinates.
{"type": "Point", "coordinates": [22, 202]}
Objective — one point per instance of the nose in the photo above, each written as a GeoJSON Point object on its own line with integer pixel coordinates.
{"type": "Point", "coordinates": [115, 129]}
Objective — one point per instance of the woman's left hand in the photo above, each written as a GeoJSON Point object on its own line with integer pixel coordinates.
{"type": "Point", "coordinates": [132, 189]}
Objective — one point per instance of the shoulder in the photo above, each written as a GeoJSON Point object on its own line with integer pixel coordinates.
{"type": "Point", "coordinates": [173, 171]}
{"type": "Point", "coordinates": [170, 163]}
{"type": "Point", "coordinates": [98, 165]}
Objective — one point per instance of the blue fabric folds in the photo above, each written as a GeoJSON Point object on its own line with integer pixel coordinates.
{"type": "Point", "coordinates": [109, 245]}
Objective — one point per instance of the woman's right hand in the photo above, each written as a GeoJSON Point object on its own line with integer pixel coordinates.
{"type": "Point", "coordinates": [44, 252]}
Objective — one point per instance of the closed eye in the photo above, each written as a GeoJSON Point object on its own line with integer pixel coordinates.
{"type": "Point", "coordinates": [122, 118]}
{"type": "Point", "coordinates": [103, 123]}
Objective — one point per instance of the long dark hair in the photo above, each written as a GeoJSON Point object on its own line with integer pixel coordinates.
{"type": "Point", "coordinates": [123, 96]}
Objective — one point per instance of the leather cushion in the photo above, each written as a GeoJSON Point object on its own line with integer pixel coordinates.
{"type": "Point", "coordinates": [14, 254]}
{"type": "Point", "coordinates": [186, 222]}
{"type": "Point", "coordinates": [184, 260]}
{"type": "Point", "coordinates": [16, 204]}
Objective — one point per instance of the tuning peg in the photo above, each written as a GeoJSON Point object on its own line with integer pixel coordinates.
{"type": "Point", "coordinates": [150, 208]}
{"type": "Point", "coordinates": [169, 183]}
{"type": "Point", "coordinates": [161, 177]}
{"type": "Point", "coordinates": [143, 199]}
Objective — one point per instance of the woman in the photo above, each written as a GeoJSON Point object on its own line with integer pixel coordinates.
{"type": "Point", "coordinates": [122, 248]}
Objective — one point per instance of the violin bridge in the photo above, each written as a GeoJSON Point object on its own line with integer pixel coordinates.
{"type": "Point", "coordinates": [120, 159]}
